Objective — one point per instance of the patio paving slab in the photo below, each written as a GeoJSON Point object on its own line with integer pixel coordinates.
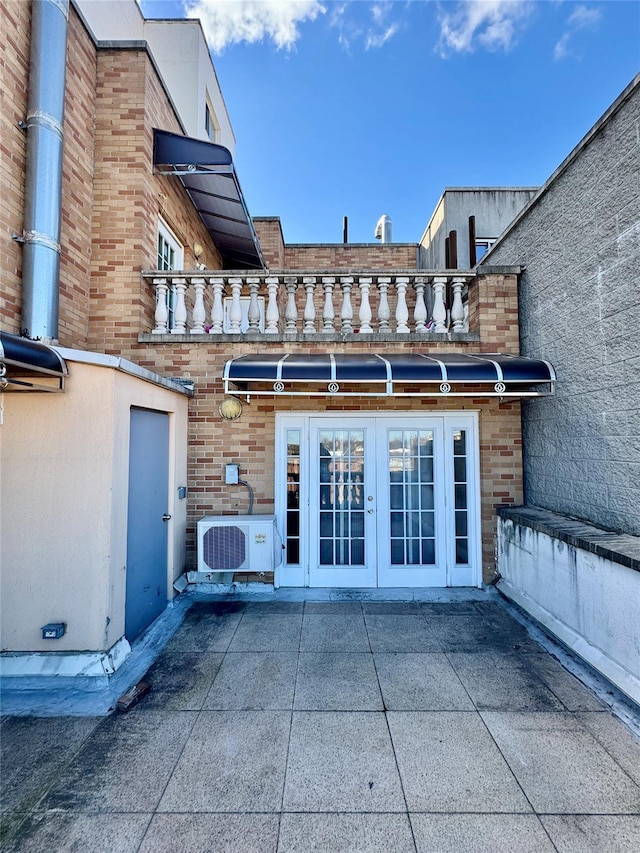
{"type": "Point", "coordinates": [180, 681]}
{"type": "Point", "coordinates": [391, 608]}
{"type": "Point", "coordinates": [345, 833]}
{"type": "Point", "coordinates": [204, 833]}
{"type": "Point", "coordinates": [449, 763]}
{"type": "Point", "coordinates": [304, 729]}
{"type": "Point", "coordinates": [392, 633]}
{"type": "Point", "coordinates": [254, 681]}
{"type": "Point", "coordinates": [327, 633]}
{"type": "Point", "coordinates": [616, 738]}
{"type": "Point", "coordinates": [498, 681]}
{"type": "Point", "coordinates": [337, 681]}
{"type": "Point", "coordinates": [420, 682]}
{"type": "Point", "coordinates": [560, 765]}
{"type": "Point", "coordinates": [32, 750]}
{"type": "Point", "coordinates": [264, 632]}
{"type": "Point", "coordinates": [594, 833]}
{"type": "Point", "coordinates": [233, 761]}
{"type": "Point", "coordinates": [333, 608]}
{"type": "Point", "coordinates": [64, 833]}
{"type": "Point", "coordinates": [124, 765]}
{"type": "Point", "coordinates": [341, 762]}
{"type": "Point", "coordinates": [476, 633]}
{"type": "Point", "coordinates": [480, 833]}
{"type": "Point", "coordinates": [573, 695]}
{"type": "Point", "coordinates": [208, 626]}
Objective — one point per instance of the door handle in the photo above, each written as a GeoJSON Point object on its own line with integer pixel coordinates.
{"type": "Point", "coordinates": [369, 511]}
{"type": "Point", "coordinates": [166, 517]}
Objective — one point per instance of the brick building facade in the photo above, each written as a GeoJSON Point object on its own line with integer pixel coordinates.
{"type": "Point", "coordinates": [346, 301]}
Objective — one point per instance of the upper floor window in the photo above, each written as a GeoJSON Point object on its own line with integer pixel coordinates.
{"type": "Point", "coordinates": [211, 126]}
{"type": "Point", "coordinates": [170, 251]}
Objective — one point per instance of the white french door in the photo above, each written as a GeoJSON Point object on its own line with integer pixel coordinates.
{"type": "Point", "coordinates": [379, 501]}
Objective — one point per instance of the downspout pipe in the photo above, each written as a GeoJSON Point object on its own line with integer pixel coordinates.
{"type": "Point", "coordinates": [43, 184]}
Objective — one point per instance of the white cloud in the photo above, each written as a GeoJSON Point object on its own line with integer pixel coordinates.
{"type": "Point", "coordinates": [377, 39]}
{"type": "Point", "coordinates": [228, 22]}
{"type": "Point", "coordinates": [374, 27]}
{"type": "Point", "coordinates": [492, 24]}
{"type": "Point", "coordinates": [582, 17]}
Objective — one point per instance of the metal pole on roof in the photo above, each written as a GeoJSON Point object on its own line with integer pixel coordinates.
{"type": "Point", "coordinates": [43, 183]}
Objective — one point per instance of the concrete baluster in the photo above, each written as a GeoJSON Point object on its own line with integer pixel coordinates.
{"type": "Point", "coordinates": [365, 306]}
{"type": "Point", "coordinates": [273, 315]}
{"type": "Point", "coordinates": [402, 312]}
{"type": "Point", "coordinates": [309, 316]}
{"type": "Point", "coordinates": [217, 309]}
{"type": "Point", "coordinates": [328, 314]}
{"type": "Point", "coordinates": [162, 309]}
{"type": "Point", "coordinates": [180, 309]}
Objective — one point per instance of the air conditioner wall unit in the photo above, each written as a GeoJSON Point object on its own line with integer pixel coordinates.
{"type": "Point", "coordinates": [238, 543]}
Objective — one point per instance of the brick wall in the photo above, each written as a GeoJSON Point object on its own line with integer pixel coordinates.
{"type": "Point", "coordinates": [334, 256]}
{"type": "Point", "coordinates": [580, 304]}
{"type": "Point", "coordinates": [77, 185]}
{"type": "Point", "coordinates": [250, 439]}
{"type": "Point", "coordinates": [129, 198]}
{"type": "Point", "coordinates": [269, 231]}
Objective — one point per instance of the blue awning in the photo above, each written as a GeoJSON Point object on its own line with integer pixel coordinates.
{"type": "Point", "coordinates": [27, 365]}
{"type": "Point", "coordinates": [207, 173]}
{"type": "Point", "coordinates": [404, 375]}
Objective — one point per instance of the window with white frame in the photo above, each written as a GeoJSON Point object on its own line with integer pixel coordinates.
{"type": "Point", "coordinates": [211, 125]}
{"type": "Point", "coordinates": [170, 250]}
{"type": "Point", "coordinates": [170, 257]}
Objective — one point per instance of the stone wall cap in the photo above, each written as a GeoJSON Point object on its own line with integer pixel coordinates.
{"type": "Point", "coordinates": [622, 548]}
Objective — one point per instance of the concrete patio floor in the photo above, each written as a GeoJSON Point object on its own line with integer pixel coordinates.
{"type": "Point", "coordinates": [352, 725]}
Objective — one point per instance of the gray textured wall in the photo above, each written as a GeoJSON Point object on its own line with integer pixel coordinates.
{"type": "Point", "coordinates": [580, 309]}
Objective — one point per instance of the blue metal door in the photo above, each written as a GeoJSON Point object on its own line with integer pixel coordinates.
{"type": "Point", "coordinates": [146, 595]}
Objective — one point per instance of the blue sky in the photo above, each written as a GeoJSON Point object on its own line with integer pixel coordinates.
{"type": "Point", "coordinates": [363, 108]}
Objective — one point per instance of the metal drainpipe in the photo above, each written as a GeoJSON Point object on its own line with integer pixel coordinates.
{"type": "Point", "coordinates": [43, 185]}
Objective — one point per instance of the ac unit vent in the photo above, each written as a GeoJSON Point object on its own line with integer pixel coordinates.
{"type": "Point", "coordinates": [239, 543]}
{"type": "Point", "coordinates": [224, 548]}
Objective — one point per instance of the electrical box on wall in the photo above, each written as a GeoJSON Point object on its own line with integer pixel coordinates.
{"type": "Point", "coordinates": [231, 474]}
{"type": "Point", "coordinates": [53, 631]}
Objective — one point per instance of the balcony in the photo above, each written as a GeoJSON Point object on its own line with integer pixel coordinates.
{"type": "Point", "coordinates": [305, 306]}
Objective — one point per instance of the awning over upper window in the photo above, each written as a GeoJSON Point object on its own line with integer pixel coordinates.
{"type": "Point", "coordinates": [401, 375]}
{"type": "Point", "coordinates": [207, 173]}
{"type": "Point", "coordinates": [27, 365]}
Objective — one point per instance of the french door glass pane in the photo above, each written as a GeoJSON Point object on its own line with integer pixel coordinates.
{"type": "Point", "coordinates": [460, 489]}
{"type": "Point", "coordinates": [293, 497]}
{"type": "Point", "coordinates": [411, 496]}
{"type": "Point", "coordinates": [341, 483]}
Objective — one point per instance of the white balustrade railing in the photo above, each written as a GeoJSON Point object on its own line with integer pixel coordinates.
{"type": "Point", "coordinates": [291, 304]}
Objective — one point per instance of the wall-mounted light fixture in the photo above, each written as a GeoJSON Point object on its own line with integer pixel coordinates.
{"type": "Point", "coordinates": [230, 408]}
{"type": "Point", "coordinates": [197, 252]}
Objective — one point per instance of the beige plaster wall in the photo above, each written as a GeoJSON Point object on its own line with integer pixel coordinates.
{"type": "Point", "coordinates": [63, 497]}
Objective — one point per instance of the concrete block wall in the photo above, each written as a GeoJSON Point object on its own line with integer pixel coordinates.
{"type": "Point", "coordinates": [579, 307]}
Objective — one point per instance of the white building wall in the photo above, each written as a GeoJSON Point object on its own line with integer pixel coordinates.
{"type": "Point", "coordinates": [180, 52]}
{"type": "Point", "coordinates": [63, 492]}
{"type": "Point", "coordinates": [588, 602]}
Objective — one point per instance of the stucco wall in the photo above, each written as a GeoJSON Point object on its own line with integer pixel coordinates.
{"type": "Point", "coordinates": [579, 307]}
{"type": "Point", "coordinates": [589, 602]}
{"type": "Point", "coordinates": [64, 460]}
